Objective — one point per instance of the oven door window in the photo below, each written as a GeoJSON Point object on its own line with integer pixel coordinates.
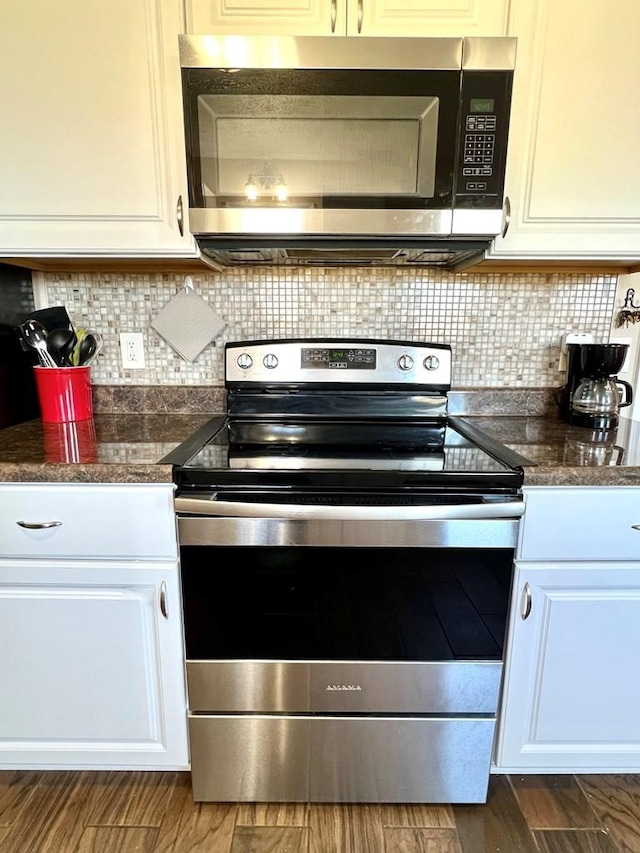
{"type": "Point", "coordinates": [316, 139]}
{"type": "Point", "coordinates": [293, 603]}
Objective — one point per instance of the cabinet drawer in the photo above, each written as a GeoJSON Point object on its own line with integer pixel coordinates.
{"type": "Point", "coordinates": [580, 523]}
{"type": "Point", "coordinates": [88, 520]}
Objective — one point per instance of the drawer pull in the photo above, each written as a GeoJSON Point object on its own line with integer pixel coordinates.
{"type": "Point", "coordinates": [525, 602]}
{"type": "Point", "coordinates": [635, 526]}
{"type": "Point", "coordinates": [163, 600]}
{"type": "Point", "coordinates": [39, 525]}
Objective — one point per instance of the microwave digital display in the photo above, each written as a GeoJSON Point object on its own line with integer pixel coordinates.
{"type": "Point", "coordinates": [482, 105]}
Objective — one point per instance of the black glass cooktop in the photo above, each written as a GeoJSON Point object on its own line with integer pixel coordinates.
{"type": "Point", "coordinates": [238, 451]}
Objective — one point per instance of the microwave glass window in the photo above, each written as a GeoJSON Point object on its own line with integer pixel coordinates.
{"type": "Point", "coordinates": [275, 149]}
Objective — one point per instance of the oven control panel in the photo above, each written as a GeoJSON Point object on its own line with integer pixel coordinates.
{"type": "Point", "coordinates": [338, 361]}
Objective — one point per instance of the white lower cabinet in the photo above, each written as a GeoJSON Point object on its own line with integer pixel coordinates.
{"type": "Point", "coordinates": [571, 692]}
{"type": "Point", "coordinates": [91, 654]}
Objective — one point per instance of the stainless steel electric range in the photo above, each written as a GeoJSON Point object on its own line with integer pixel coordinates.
{"type": "Point", "coordinates": [346, 558]}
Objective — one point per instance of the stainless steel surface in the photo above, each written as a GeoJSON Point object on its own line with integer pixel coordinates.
{"type": "Point", "coordinates": [207, 505]}
{"type": "Point", "coordinates": [489, 54]}
{"type": "Point", "coordinates": [301, 221]}
{"type": "Point", "coordinates": [492, 533]}
{"type": "Point", "coordinates": [163, 600]}
{"type": "Point", "coordinates": [388, 372]}
{"type": "Point", "coordinates": [35, 335]}
{"type": "Point", "coordinates": [442, 687]}
{"type": "Point", "coordinates": [241, 51]}
{"type": "Point", "coordinates": [525, 602]}
{"type": "Point", "coordinates": [341, 759]}
{"type": "Point", "coordinates": [39, 525]}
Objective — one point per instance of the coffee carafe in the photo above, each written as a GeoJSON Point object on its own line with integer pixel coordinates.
{"type": "Point", "coordinates": [593, 395]}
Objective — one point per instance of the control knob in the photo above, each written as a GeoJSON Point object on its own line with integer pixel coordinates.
{"type": "Point", "coordinates": [270, 361]}
{"type": "Point", "coordinates": [405, 362]}
{"type": "Point", "coordinates": [244, 361]}
{"type": "Point", "coordinates": [431, 362]}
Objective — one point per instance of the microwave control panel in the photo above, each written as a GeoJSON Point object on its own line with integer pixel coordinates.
{"type": "Point", "coordinates": [482, 149]}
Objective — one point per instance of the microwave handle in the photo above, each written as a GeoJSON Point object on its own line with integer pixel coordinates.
{"type": "Point", "coordinates": [506, 216]}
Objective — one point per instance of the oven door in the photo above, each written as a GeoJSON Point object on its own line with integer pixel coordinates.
{"type": "Point", "coordinates": [341, 659]}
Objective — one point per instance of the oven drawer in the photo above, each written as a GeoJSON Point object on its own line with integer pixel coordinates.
{"type": "Point", "coordinates": [454, 687]}
{"type": "Point", "coordinates": [338, 759]}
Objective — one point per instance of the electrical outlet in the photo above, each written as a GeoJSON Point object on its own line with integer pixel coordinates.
{"type": "Point", "coordinates": [132, 350]}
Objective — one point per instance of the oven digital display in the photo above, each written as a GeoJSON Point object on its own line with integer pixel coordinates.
{"type": "Point", "coordinates": [339, 359]}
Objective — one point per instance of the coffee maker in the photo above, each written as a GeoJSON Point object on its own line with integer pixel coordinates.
{"type": "Point", "coordinates": [592, 395]}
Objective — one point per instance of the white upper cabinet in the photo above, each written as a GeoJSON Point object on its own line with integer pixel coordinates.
{"type": "Point", "coordinates": [92, 138]}
{"type": "Point", "coordinates": [572, 175]}
{"type": "Point", "coordinates": [349, 17]}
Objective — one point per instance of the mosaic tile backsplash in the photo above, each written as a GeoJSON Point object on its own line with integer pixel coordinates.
{"type": "Point", "coordinates": [504, 330]}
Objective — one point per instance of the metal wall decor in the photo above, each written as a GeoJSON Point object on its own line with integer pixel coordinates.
{"type": "Point", "coordinates": [629, 313]}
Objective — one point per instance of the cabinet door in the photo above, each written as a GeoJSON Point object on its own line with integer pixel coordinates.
{"type": "Point", "coordinates": [439, 18]}
{"type": "Point", "coordinates": [572, 175]}
{"type": "Point", "coordinates": [571, 691]}
{"type": "Point", "coordinates": [264, 17]}
{"type": "Point", "coordinates": [349, 17]}
{"type": "Point", "coordinates": [91, 667]}
{"type": "Point", "coordinates": [92, 135]}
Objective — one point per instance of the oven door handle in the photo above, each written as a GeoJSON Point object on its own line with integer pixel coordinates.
{"type": "Point", "coordinates": [207, 505]}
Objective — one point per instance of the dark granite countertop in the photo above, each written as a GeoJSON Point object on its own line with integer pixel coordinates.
{"type": "Point", "coordinates": [110, 448]}
{"type": "Point", "coordinates": [127, 447]}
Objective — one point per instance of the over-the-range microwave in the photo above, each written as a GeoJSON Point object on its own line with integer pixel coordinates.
{"type": "Point", "coordinates": [374, 151]}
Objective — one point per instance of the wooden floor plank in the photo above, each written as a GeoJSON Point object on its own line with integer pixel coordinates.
{"type": "Point", "coordinates": [16, 786]}
{"type": "Point", "coordinates": [121, 798]}
{"type": "Point", "coordinates": [497, 825]}
{"type": "Point", "coordinates": [107, 839]}
{"type": "Point", "coordinates": [345, 829]}
{"type": "Point", "coordinates": [51, 820]}
{"type": "Point", "coordinates": [554, 802]}
{"type": "Point", "coordinates": [272, 814]}
{"type": "Point", "coordinates": [191, 827]}
{"type": "Point", "coordinates": [270, 839]}
{"type": "Point", "coordinates": [574, 841]}
{"type": "Point", "coordinates": [616, 800]}
{"type": "Point", "coordinates": [417, 815]}
{"type": "Point", "coordinates": [417, 840]}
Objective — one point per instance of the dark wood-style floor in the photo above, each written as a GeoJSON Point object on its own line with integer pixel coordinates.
{"type": "Point", "coordinates": [110, 812]}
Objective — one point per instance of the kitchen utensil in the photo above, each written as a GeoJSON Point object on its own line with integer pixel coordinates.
{"type": "Point", "coordinates": [35, 335]}
{"type": "Point", "coordinates": [60, 343]}
{"type": "Point", "coordinates": [89, 347]}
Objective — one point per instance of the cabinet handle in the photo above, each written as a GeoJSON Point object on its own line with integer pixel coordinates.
{"type": "Point", "coordinates": [506, 216]}
{"type": "Point", "coordinates": [525, 602]}
{"type": "Point", "coordinates": [635, 526]}
{"type": "Point", "coordinates": [163, 600]}
{"type": "Point", "coordinates": [38, 525]}
{"type": "Point", "coordinates": [360, 14]}
{"type": "Point", "coordinates": [334, 15]}
{"type": "Point", "coordinates": [180, 216]}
